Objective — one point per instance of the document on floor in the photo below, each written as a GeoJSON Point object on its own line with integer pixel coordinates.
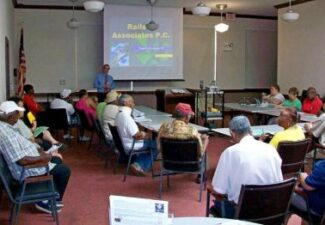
{"type": "Point", "coordinates": [137, 211]}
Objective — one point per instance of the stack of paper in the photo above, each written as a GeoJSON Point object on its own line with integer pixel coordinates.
{"type": "Point", "coordinates": [137, 211]}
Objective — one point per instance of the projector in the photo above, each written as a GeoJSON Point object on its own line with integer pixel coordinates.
{"type": "Point", "coordinates": [290, 16]}
{"type": "Point", "coordinates": [152, 25]}
{"type": "Point", "coordinates": [201, 9]}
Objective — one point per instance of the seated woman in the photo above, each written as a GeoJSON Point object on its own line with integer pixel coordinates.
{"type": "Point", "coordinates": [275, 97]}
{"type": "Point", "coordinates": [88, 107]}
{"type": "Point", "coordinates": [293, 100]}
{"type": "Point", "coordinates": [292, 132]}
{"type": "Point", "coordinates": [312, 104]}
{"type": "Point", "coordinates": [29, 100]}
{"type": "Point", "coordinates": [43, 139]}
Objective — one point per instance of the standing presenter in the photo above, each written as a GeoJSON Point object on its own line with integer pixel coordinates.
{"type": "Point", "coordinates": [104, 83]}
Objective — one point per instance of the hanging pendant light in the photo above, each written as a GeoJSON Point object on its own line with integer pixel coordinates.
{"type": "Point", "coordinates": [152, 25]}
{"type": "Point", "coordinates": [221, 27]}
{"type": "Point", "coordinates": [73, 23]}
{"type": "Point", "coordinates": [290, 15]}
{"type": "Point", "coordinates": [201, 9]}
{"type": "Point", "coordinates": [93, 6]}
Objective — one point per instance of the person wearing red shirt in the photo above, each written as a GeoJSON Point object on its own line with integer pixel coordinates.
{"type": "Point", "coordinates": [29, 100]}
{"type": "Point", "coordinates": [312, 104]}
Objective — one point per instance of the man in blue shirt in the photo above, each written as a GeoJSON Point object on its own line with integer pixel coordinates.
{"type": "Point", "coordinates": [314, 186]}
{"type": "Point", "coordinates": [104, 83]}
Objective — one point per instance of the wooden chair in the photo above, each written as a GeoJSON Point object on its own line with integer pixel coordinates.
{"type": "Point", "coordinates": [179, 157]}
{"type": "Point", "coordinates": [124, 154]}
{"type": "Point", "coordinates": [263, 204]}
{"type": "Point", "coordinates": [293, 155]}
{"type": "Point", "coordinates": [28, 190]}
{"type": "Point", "coordinates": [317, 148]}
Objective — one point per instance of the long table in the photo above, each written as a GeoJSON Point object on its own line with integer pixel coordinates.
{"type": "Point", "coordinates": [257, 130]}
{"type": "Point", "coordinates": [207, 221]}
{"type": "Point", "coordinates": [154, 118]}
{"type": "Point", "coordinates": [269, 110]}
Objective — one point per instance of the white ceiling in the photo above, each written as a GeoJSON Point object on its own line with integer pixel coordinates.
{"type": "Point", "coordinates": [245, 7]}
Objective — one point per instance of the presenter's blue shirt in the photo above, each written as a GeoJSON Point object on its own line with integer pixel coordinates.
{"type": "Point", "coordinates": [99, 82]}
{"type": "Point", "coordinates": [317, 180]}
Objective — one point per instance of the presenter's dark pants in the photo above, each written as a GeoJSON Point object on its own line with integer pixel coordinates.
{"type": "Point", "coordinates": [101, 96]}
{"type": "Point", "coordinates": [61, 175]}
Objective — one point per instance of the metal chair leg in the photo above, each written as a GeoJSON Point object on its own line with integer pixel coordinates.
{"type": "Point", "coordinates": [201, 186]}
{"type": "Point", "coordinates": [161, 183]}
{"type": "Point", "coordinates": [207, 205]}
{"type": "Point", "coordinates": [127, 168]}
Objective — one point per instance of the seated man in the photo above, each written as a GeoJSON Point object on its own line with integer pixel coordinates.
{"type": "Point", "coordinates": [65, 102]}
{"type": "Point", "coordinates": [129, 131]}
{"type": "Point", "coordinates": [314, 186]}
{"type": "Point", "coordinates": [248, 162]}
{"type": "Point", "coordinates": [18, 152]}
{"type": "Point", "coordinates": [292, 132]}
{"type": "Point", "coordinates": [317, 130]}
{"type": "Point", "coordinates": [109, 113]}
{"type": "Point", "coordinates": [180, 129]}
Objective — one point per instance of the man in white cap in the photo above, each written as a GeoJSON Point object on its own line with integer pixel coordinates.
{"type": "Point", "coordinates": [18, 151]}
{"type": "Point", "coordinates": [109, 113]}
{"type": "Point", "coordinates": [64, 102]}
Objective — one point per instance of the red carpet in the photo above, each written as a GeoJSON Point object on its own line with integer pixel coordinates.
{"type": "Point", "coordinates": [86, 198]}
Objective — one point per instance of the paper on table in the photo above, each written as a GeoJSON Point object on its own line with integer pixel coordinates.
{"type": "Point", "coordinates": [137, 211]}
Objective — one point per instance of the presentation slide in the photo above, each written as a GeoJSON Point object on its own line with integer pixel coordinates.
{"type": "Point", "coordinates": [135, 53]}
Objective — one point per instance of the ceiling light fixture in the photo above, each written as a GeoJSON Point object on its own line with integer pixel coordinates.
{"type": "Point", "coordinates": [152, 25]}
{"type": "Point", "coordinates": [290, 15]}
{"type": "Point", "coordinates": [201, 9]}
{"type": "Point", "coordinates": [94, 6]}
{"type": "Point", "coordinates": [73, 23]}
{"type": "Point", "coordinates": [221, 27]}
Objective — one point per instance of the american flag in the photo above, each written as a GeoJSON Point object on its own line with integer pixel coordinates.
{"type": "Point", "coordinates": [22, 66]}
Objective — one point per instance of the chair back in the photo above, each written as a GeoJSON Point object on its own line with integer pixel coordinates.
{"type": "Point", "coordinates": [98, 128]}
{"type": "Point", "coordinates": [6, 178]}
{"type": "Point", "coordinates": [118, 143]}
{"type": "Point", "coordinates": [180, 155]}
{"type": "Point", "coordinates": [265, 204]}
{"type": "Point", "coordinates": [293, 155]}
{"type": "Point", "coordinates": [58, 119]}
{"type": "Point", "coordinates": [84, 121]}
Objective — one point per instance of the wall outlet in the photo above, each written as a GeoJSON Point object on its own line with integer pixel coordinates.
{"type": "Point", "coordinates": [62, 82]}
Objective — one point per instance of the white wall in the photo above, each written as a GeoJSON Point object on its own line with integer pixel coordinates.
{"type": "Point", "coordinates": [301, 48]}
{"type": "Point", "coordinates": [6, 30]}
{"type": "Point", "coordinates": [231, 65]}
{"type": "Point", "coordinates": [50, 50]}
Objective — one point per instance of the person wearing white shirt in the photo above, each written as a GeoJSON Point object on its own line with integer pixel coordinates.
{"type": "Point", "coordinates": [109, 114]}
{"type": "Point", "coordinates": [64, 103]}
{"type": "Point", "coordinates": [247, 162]}
{"type": "Point", "coordinates": [275, 97]}
{"type": "Point", "coordinates": [129, 131]}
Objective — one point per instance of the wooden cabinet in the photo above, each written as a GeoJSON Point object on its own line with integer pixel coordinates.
{"type": "Point", "coordinates": [167, 99]}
